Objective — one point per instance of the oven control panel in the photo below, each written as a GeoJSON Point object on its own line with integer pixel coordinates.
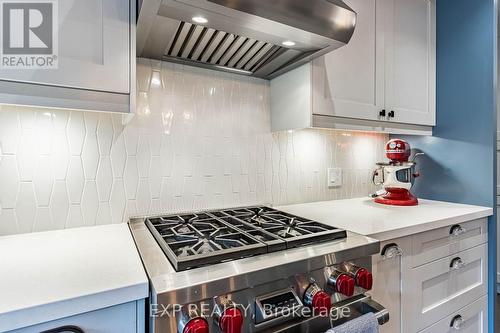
{"type": "Point", "coordinates": [277, 306]}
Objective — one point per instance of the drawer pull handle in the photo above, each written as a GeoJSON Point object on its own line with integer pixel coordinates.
{"type": "Point", "coordinates": [391, 251]}
{"type": "Point", "coordinates": [457, 230]}
{"type": "Point", "coordinates": [457, 263]}
{"type": "Point", "coordinates": [457, 322]}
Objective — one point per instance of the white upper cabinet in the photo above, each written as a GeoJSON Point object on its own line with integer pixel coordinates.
{"type": "Point", "coordinates": [382, 80]}
{"type": "Point", "coordinates": [95, 55]}
{"type": "Point", "coordinates": [349, 81]}
{"type": "Point", "coordinates": [410, 70]}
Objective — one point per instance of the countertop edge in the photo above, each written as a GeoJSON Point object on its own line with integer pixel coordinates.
{"type": "Point", "coordinates": [423, 227]}
{"type": "Point", "coordinates": [42, 313]}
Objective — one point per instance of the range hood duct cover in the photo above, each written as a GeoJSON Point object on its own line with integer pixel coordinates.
{"type": "Point", "coordinates": [243, 36]}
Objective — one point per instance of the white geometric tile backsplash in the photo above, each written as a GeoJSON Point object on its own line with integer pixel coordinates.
{"type": "Point", "coordinates": [200, 139]}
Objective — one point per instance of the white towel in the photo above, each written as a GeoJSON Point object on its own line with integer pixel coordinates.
{"type": "Point", "coordinates": [367, 323]}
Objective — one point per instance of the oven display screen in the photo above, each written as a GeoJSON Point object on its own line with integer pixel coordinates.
{"type": "Point", "coordinates": [277, 305]}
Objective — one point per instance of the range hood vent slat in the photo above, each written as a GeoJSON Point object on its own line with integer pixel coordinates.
{"type": "Point", "coordinates": [193, 42]}
{"type": "Point", "coordinates": [235, 59]}
{"type": "Point", "coordinates": [205, 41]}
{"type": "Point", "coordinates": [258, 55]}
{"type": "Point", "coordinates": [272, 52]}
{"type": "Point", "coordinates": [180, 38]}
{"type": "Point", "coordinates": [212, 45]}
{"type": "Point", "coordinates": [254, 49]}
{"type": "Point", "coordinates": [219, 51]}
{"type": "Point", "coordinates": [232, 50]}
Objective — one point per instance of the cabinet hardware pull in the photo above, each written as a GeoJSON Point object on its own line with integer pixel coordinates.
{"type": "Point", "coordinates": [457, 322]}
{"type": "Point", "coordinates": [391, 251]}
{"type": "Point", "coordinates": [65, 329]}
{"type": "Point", "coordinates": [457, 230]}
{"type": "Point", "coordinates": [457, 263]}
{"type": "Point", "coordinates": [382, 113]}
{"type": "Point", "coordinates": [391, 114]}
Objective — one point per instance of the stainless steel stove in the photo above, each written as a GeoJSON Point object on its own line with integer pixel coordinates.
{"type": "Point", "coordinates": [198, 239]}
{"type": "Point", "coordinates": [253, 269]}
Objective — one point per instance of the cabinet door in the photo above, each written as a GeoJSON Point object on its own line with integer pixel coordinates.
{"type": "Point", "coordinates": [386, 269]}
{"type": "Point", "coordinates": [410, 43]}
{"type": "Point", "coordinates": [94, 48]}
{"type": "Point", "coordinates": [348, 82]}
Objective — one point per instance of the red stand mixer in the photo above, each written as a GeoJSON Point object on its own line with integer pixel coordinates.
{"type": "Point", "coordinates": [397, 175]}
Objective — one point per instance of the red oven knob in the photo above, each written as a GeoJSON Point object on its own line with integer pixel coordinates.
{"type": "Point", "coordinates": [364, 279]}
{"type": "Point", "coordinates": [345, 285]}
{"type": "Point", "coordinates": [322, 303]}
{"type": "Point", "coordinates": [231, 321]}
{"type": "Point", "coordinates": [318, 300]}
{"type": "Point", "coordinates": [196, 325]}
{"type": "Point", "coordinates": [341, 282]}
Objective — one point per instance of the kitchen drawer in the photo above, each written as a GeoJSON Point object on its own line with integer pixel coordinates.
{"type": "Point", "coordinates": [120, 318]}
{"type": "Point", "coordinates": [436, 290]}
{"type": "Point", "coordinates": [471, 319]}
{"type": "Point", "coordinates": [439, 243]}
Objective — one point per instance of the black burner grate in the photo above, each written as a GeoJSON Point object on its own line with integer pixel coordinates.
{"type": "Point", "coordinates": [198, 239]}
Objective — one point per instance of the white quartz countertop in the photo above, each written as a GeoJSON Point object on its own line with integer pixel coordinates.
{"type": "Point", "coordinates": [382, 222]}
{"type": "Point", "coordinates": [51, 275]}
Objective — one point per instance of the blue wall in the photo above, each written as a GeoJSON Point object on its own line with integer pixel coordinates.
{"type": "Point", "coordinates": [460, 160]}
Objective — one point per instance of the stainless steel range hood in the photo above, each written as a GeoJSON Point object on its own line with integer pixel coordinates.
{"type": "Point", "coordinates": [261, 38]}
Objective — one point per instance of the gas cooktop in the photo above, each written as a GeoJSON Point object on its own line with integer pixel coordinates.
{"type": "Point", "coordinates": [205, 238]}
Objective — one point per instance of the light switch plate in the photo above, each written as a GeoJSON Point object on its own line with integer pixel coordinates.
{"type": "Point", "coordinates": [334, 178]}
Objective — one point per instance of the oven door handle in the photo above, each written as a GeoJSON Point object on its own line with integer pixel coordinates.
{"type": "Point", "coordinates": [364, 304]}
{"type": "Point", "coordinates": [382, 313]}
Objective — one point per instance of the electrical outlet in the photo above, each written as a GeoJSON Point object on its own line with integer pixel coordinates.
{"type": "Point", "coordinates": [334, 177]}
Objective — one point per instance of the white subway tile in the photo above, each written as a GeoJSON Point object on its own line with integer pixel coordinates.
{"type": "Point", "coordinates": [27, 155]}
{"type": "Point", "coordinates": [104, 214]}
{"type": "Point", "coordinates": [75, 179]}
{"type": "Point", "coordinates": [143, 156]}
{"type": "Point", "coordinates": [44, 132]}
{"type": "Point", "coordinates": [43, 180]}
{"type": "Point", "coordinates": [131, 177]}
{"type": "Point", "coordinates": [43, 220]}
{"type": "Point", "coordinates": [60, 155]}
{"type": "Point", "coordinates": [8, 222]}
{"type": "Point", "coordinates": [90, 203]}
{"type": "Point", "coordinates": [26, 207]}
{"type": "Point", "coordinates": [10, 129]}
{"type": "Point", "coordinates": [9, 182]}
{"type": "Point", "coordinates": [59, 204]}
{"type": "Point", "coordinates": [118, 156]}
{"type": "Point", "coordinates": [75, 217]}
{"type": "Point", "coordinates": [76, 132]}
{"type": "Point", "coordinates": [105, 134]}
{"type": "Point", "coordinates": [90, 156]}
{"type": "Point", "coordinates": [118, 201]}
{"type": "Point", "coordinates": [104, 179]}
